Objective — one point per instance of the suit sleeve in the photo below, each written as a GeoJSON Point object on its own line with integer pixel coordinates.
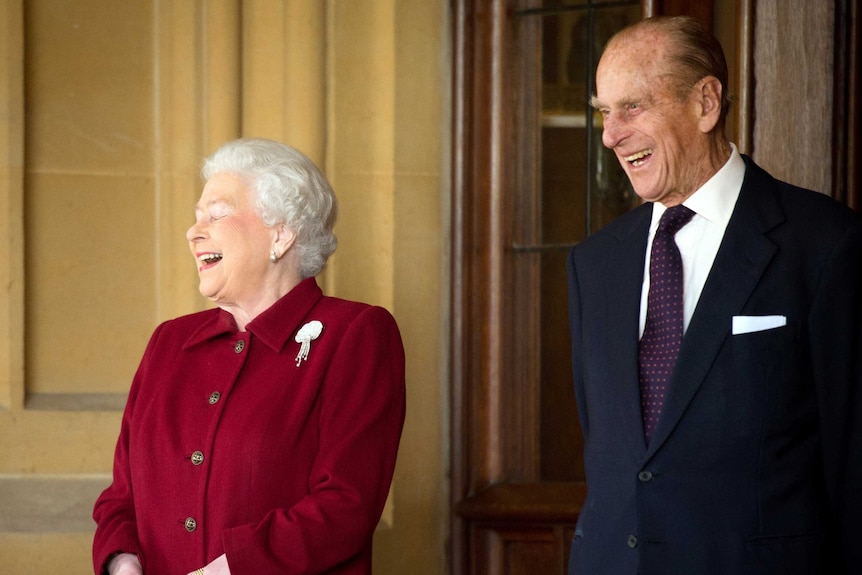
{"type": "Point", "coordinates": [836, 344]}
{"type": "Point", "coordinates": [361, 418]}
{"type": "Point", "coordinates": [575, 328]}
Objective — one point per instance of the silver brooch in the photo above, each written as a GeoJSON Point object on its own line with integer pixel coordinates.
{"type": "Point", "coordinates": [304, 337]}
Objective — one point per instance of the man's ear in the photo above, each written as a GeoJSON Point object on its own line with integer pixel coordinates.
{"type": "Point", "coordinates": [709, 93]}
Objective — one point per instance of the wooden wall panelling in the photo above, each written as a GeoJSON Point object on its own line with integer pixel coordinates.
{"type": "Point", "coordinates": [478, 273]}
{"type": "Point", "coordinates": [793, 62]}
{"type": "Point", "coordinates": [847, 152]}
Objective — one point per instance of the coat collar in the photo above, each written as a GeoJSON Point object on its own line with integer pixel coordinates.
{"type": "Point", "coordinates": [274, 327]}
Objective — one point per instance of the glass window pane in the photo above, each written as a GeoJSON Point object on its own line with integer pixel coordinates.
{"type": "Point", "coordinates": [570, 186]}
{"type": "Point", "coordinates": [560, 439]}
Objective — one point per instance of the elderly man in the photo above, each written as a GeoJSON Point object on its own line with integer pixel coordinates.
{"type": "Point", "coordinates": [716, 340]}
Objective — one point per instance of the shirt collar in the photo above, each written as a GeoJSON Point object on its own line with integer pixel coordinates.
{"type": "Point", "coordinates": [715, 199]}
{"type": "Point", "coordinates": [274, 326]}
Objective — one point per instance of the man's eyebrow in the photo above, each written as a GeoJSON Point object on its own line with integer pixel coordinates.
{"type": "Point", "coordinates": [595, 102]}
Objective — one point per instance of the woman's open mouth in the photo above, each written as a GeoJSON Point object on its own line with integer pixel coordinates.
{"type": "Point", "coordinates": [209, 259]}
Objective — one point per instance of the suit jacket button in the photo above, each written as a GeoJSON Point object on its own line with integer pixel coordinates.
{"type": "Point", "coordinates": [214, 397]}
{"type": "Point", "coordinates": [632, 541]}
{"type": "Point", "coordinates": [197, 458]}
{"type": "Point", "coordinates": [191, 524]}
{"type": "Point", "coordinates": [645, 476]}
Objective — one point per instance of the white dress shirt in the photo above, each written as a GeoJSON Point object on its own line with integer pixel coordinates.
{"type": "Point", "coordinates": [698, 241]}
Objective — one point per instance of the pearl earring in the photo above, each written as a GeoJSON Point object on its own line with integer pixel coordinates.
{"type": "Point", "coordinates": [272, 257]}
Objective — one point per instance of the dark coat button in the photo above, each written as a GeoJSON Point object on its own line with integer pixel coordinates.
{"type": "Point", "coordinates": [632, 541]}
{"type": "Point", "coordinates": [645, 476]}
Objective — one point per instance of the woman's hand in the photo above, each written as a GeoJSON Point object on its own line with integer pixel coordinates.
{"type": "Point", "coordinates": [125, 564]}
{"type": "Point", "coordinates": [217, 567]}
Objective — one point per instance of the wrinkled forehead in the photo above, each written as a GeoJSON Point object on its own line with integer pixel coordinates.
{"type": "Point", "coordinates": [643, 51]}
{"type": "Point", "coordinates": [636, 64]}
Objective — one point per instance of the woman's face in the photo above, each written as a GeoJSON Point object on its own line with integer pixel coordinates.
{"type": "Point", "coordinates": [230, 243]}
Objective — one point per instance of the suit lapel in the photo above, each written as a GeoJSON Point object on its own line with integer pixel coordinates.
{"type": "Point", "coordinates": [739, 264]}
{"type": "Point", "coordinates": [626, 270]}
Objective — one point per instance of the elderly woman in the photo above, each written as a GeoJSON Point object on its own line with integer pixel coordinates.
{"type": "Point", "coordinates": [259, 437]}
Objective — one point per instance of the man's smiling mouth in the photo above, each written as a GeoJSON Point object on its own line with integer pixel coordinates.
{"type": "Point", "coordinates": [637, 158]}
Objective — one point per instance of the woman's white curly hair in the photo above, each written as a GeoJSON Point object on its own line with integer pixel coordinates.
{"type": "Point", "coordinates": [289, 190]}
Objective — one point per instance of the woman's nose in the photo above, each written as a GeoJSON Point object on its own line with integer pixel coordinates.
{"type": "Point", "coordinates": [195, 232]}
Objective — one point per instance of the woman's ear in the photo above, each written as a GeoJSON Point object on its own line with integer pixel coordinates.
{"type": "Point", "coordinates": [283, 240]}
{"type": "Point", "coordinates": [709, 98]}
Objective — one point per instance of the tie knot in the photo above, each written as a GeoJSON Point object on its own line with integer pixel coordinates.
{"type": "Point", "coordinates": [674, 219]}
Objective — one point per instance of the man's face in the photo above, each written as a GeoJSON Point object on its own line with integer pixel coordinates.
{"type": "Point", "coordinates": [656, 137]}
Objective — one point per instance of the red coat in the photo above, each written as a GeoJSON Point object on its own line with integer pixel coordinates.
{"type": "Point", "coordinates": [228, 446]}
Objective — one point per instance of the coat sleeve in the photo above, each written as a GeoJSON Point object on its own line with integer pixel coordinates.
{"type": "Point", "coordinates": [576, 333]}
{"type": "Point", "coordinates": [361, 418]}
{"type": "Point", "coordinates": [114, 511]}
{"type": "Point", "coordinates": [836, 344]}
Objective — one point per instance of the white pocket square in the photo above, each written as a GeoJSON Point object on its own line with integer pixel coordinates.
{"type": "Point", "coordinates": [751, 323]}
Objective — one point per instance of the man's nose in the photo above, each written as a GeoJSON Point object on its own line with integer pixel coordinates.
{"type": "Point", "coordinates": [611, 131]}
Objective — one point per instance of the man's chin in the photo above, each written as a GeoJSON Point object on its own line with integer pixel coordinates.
{"type": "Point", "coordinates": [645, 194]}
{"type": "Point", "coordinates": [646, 189]}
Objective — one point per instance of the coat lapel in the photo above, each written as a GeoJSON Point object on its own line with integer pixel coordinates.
{"type": "Point", "coordinates": [626, 270]}
{"type": "Point", "coordinates": [739, 264]}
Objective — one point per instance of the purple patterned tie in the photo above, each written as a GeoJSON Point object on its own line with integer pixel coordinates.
{"type": "Point", "coordinates": [662, 335]}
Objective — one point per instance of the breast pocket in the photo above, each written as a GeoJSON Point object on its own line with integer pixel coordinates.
{"type": "Point", "coordinates": [759, 375]}
{"type": "Point", "coordinates": [771, 355]}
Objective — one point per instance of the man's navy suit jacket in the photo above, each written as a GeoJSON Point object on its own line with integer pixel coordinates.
{"type": "Point", "coordinates": [756, 464]}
